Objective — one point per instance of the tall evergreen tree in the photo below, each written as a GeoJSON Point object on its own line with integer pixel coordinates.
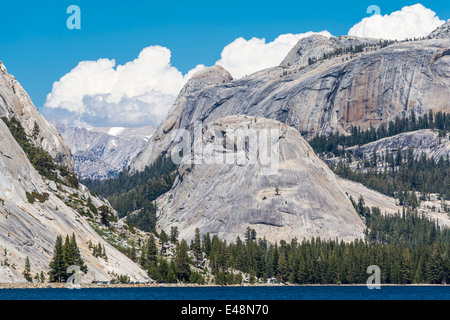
{"type": "Point", "coordinates": [27, 270]}
{"type": "Point", "coordinates": [163, 238]}
{"type": "Point", "coordinates": [275, 259]}
{"type": "Point", "coordinates": [65, 255]}
{"type": "Point", "coordinates": [435, 266]}
{"type": "Point", "coordinates": [174, 234]}
{"type": "Point", "coordinates": [182, 262]}
{"type": "Point", "coordinates": [76, 259]}
{"type": "Point", "coordinates": [282, 271]}
{"type": "Point", "coordinates": [68, 253]}
{"type": "Point", "coordinates": [407, 276]}
{"type": "Point", "coordinates": [197, 247]}
{"type": "Point", "coordinates": [151, 252]}
{"type": "Point", "coordinates": [57, 265]}
{"type": "Point", "coordinates": [206, 244]}
{"type": "Point", "coordinates": [42, 277]}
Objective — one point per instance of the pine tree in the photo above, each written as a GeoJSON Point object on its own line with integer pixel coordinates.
{"type": "Point", "coordinates": [282, 271]}
{"type": "Point", "coordinates": [349, 271]}
{"type": "Point", "coordinates": [42, 277]}
{"type": "Point", "coordinates": [206, 244]}
{"type": "Point", "coordinates": [240, 254]}
{"type": "Point", "coordinates": [174, 235]}
{"type": "Point", "coordinates": [152, 252]}
{"type": "Point", "coordinates": [419, 274]}
{"type": "Point", "coordinates": [57, 265]}
{"type": "Point", "coordinates": [275, 259]}
{"type": "Point", "coordinates": [36, 130]}
{"type": "Point", "coordinates": [260, 264]}
{"type": "Point", "coordinates": [105, 215]}
{"type": "Point", "coordinates": [162, 271]}
{"type": "Point", "coordinates": [68, 253]}
{"type": "Point", "coordinates": [76, 255]}
{"type": "Point", "coordinates": [27, 270]}
{"type": "Point", "coordinates": [302, 272]}
{"type": "Point", "coordinates": [163, 238]}
{"type": "Point", "coordinates": [64, 256]}
{"type": "Point", "coordinates": [406, 267]}
{"type": "Point", "coordinates": [182, 261]}
{"type": "Point", "coordinates": [332, 270]}
{"type": "Point", "coordinates": [435, 266]}
{"type": "Point", "coordinates": [223, 255]}
{"type": "Point", "coordinates": [172, 273]}
{"type": "Point", "coordinates": [248, 236]}
{"type": "Point", "coordinates": [196, 247]}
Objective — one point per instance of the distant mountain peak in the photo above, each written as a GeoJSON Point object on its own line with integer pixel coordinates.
{"type": "Point", "coordinates": [316, 46]}
{"type": "Point", "coordinates": [102, 152]}
{"type": "Point", "coordinates": [442, 32]}
{"type": "Point", "coordinates": [213, 74]}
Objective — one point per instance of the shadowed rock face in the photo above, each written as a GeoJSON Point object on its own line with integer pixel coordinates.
{"type": "Point", "coordinates": [324, 97]}
{"type": "Point", "coordinates": [14, 101]}
{"type": "Point", "coordinates": [225, 198]}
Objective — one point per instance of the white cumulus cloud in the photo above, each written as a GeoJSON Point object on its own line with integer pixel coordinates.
{"type": "Point", "coordinates": [141, 92]}
{"type": "Point", "coordinates": [99, 93]}
{"type": "Point", "coordinates": [243, 57]}
{"type": "Point", "coordinates": [410, 22]}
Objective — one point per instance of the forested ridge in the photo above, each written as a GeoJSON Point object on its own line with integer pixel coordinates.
{"type": "Point", "coordinates": [337, 143]}
{"type": "Point", "coordinates": [136, 193]}
{"type": "Point", "coordinates": [38, 157]}
{"type": "Point", "coordinates": [422, 174]}
{"type": "Point", "coordinates": [399, 174]}
{"type": "Point", "coordinates": [407, 247]}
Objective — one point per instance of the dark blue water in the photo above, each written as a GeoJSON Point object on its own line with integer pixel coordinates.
{"type": "Point", "coordinates": [235, 293]}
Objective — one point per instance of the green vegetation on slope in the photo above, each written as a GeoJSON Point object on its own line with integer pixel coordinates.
{"type": "Point", "coordinates": [133, 195]}
{"type": "Point", "coordinates": [39, 158]}
{"type": "Point", "coordinates": [398, 175]}
{"type": "Point", "coordinates": [408, 248]}
{"type": "Point", "coordinates": [65, 255]}
{"type": "Point", "coordinates": [336, 144]}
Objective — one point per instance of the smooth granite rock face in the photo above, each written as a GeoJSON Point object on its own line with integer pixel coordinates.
{"type": "Point", "coordinates": [282, 190]}
{"type": "Point", "coordinates": [361, 89]}
{"type": "Point", "coordinates": [352, 89]}
{"type": "Point", "coordinates": [29, 229]}
{"type": "Point", "coordinates": [315, 46]}
{"type": "Point", "coordinates": [14, 101]}
{"type": "Point", "coordinates": [162, 139]}
{"type": "Point", "coordinates": [419, 142]}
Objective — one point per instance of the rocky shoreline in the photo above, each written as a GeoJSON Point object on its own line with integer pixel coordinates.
{"type": "Point", "coordinates": [173, 285]}
{"type": "Point", "coordinates": [109, 285]}
{"type": "Point", "coordinates": [83, 285]}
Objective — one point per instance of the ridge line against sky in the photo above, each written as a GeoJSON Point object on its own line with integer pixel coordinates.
{"type": "Point", "coordinates": [113, 90]}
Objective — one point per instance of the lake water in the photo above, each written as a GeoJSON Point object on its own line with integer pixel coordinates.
{"type": "Point", "coordinates": [235, 293]}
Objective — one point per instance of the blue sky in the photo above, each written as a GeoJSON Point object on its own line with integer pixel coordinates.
{"type": "Point", "coordinates": [37, 47]}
